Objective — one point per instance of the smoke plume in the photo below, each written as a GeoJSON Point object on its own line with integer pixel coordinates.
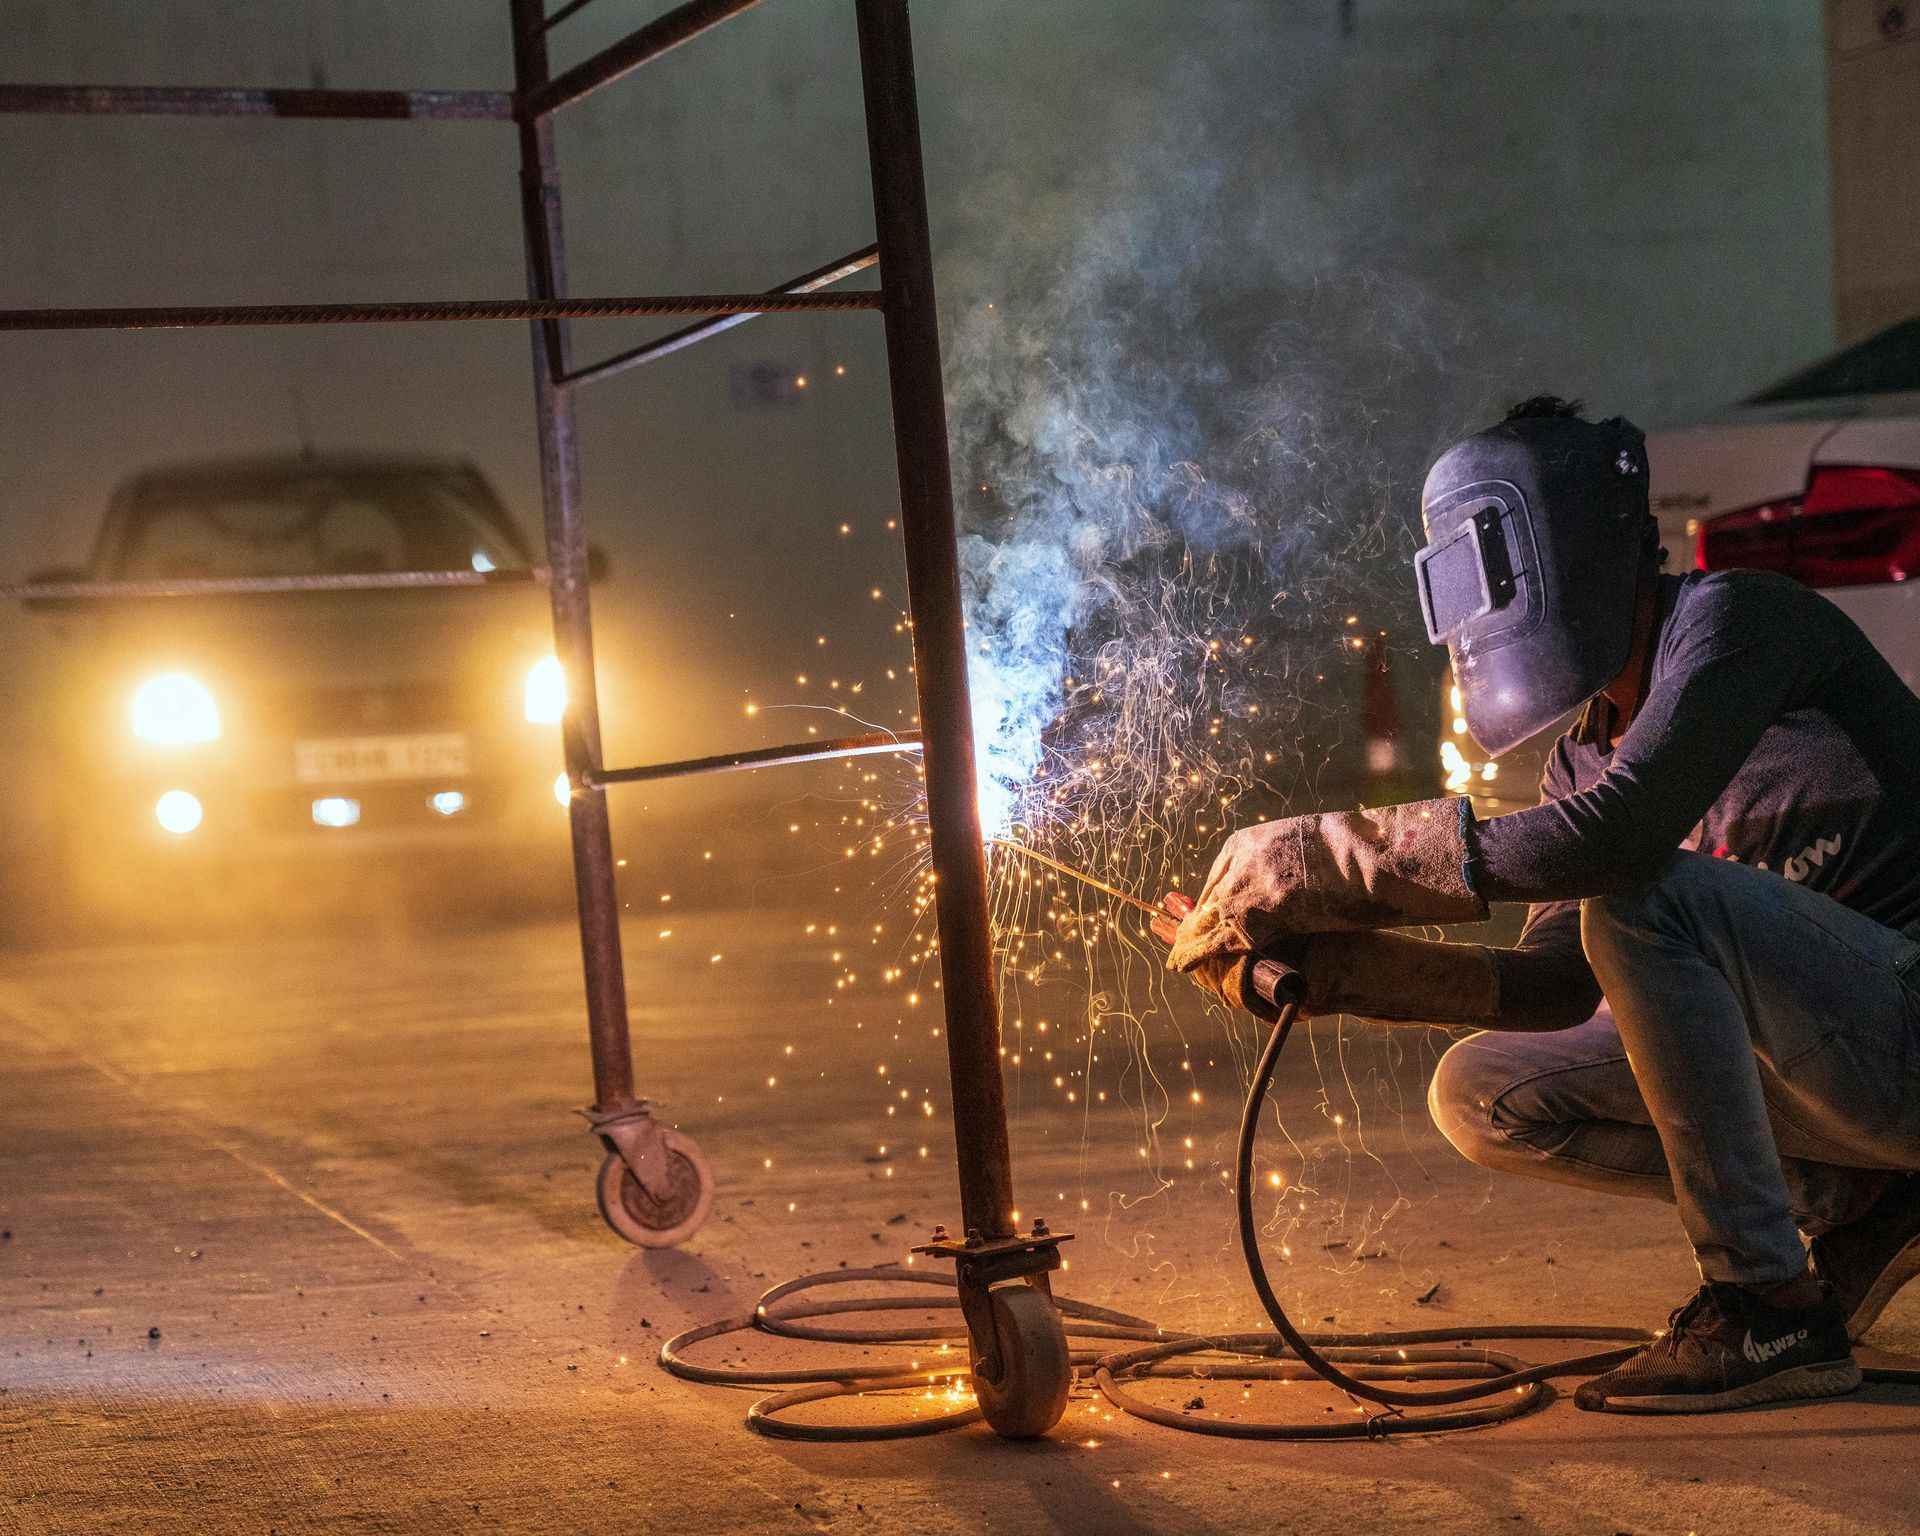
{"type": "Point", "coordinates": [1192, 395]}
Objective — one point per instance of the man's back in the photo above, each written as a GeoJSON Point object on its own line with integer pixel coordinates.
{"type": "Point", "coordinates": [1805, 801]}
{"type": "Point", "coordinates": [1772, 732]}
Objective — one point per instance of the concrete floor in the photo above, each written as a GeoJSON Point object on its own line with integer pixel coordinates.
{"type": "Point", "coordinates": [338, 1175]}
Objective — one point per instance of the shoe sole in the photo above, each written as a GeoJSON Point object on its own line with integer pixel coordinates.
{"type": "Point", "coordinates": [1900, 1269]}
{"type": "Point", "coordinates": [1832, 1378]}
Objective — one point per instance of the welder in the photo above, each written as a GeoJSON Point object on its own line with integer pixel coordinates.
{"type": "Point", "coordinates": [1715, 1000]}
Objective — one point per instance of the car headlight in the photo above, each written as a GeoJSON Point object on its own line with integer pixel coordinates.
{"type": "Point", "coordinates": [175, 710]}
{"type": "Point", "coordinates": [178, 812]}
{"type": "Point", "coordinates": [546, 698]}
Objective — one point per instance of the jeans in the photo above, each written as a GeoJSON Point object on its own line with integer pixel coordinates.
{"type": "Point", "coordinates": [1760, 1043]}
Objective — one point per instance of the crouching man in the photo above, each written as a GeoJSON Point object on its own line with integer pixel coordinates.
{"type": "Point", "coordinates": [1726, 850]}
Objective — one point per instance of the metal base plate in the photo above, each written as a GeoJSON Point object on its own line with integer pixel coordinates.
{"type": "Point", "coordinates": [994, 1247]}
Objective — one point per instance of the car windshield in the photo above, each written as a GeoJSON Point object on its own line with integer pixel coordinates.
{"type": "Point", "coordinates": [1886, 363]}
{"type": "Point", "coordinates": [316, 525]}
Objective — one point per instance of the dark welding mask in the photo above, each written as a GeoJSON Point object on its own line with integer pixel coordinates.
{"type": "Point", "coordinates": [1535, 533]}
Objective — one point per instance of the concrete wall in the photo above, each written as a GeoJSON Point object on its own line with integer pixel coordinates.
{"type": "Point", "coordinates": [1620, 198]}
{"type": "Point", "coordinates": [1873, 106]}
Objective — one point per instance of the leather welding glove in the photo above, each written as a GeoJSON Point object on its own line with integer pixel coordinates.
{"type": "Point", "coordinates": [1333, 872]}
{"type": "Point", "coordinates": [1395, 978]}
{"type": "Point", "coordinates": [1226, 977]}
{"type": "Point", "coordinates": [1385, 978]}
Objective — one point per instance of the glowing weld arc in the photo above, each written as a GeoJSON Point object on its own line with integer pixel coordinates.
{"type": "Point", "coordinates": [1081, 875]}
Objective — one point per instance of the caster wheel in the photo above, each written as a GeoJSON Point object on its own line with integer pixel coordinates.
{"type": "Point", "coordinates": [640, 1216]}
{"type": "Point", "coordinates": [1035, 1368]}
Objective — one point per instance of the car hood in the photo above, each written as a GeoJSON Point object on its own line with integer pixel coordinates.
{"type": "Point", "coordinates": [291, 640]}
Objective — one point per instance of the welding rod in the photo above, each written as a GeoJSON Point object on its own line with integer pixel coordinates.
{"type": "Point", "coordinates": [1082, 876]}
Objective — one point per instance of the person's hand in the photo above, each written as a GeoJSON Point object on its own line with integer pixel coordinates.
{"type": "Point", "coordinates": [1224, 975]}
{"type": "Point", "coordinates": [1219, 974]}
{"type": "Point", "coordinates": [1166, 922]}
{"type": "Point", "coordinates": [1255, 873]}
{"type": "Point", "coordinates": [1335, 872]}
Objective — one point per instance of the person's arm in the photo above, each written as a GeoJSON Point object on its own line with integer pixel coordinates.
{"type": "Point", "coordinates": [1542, 983]}
{"type": "Point", "coordinates": [1545, 980]}
{"type": "Point", "coordinates": [1740, 652]}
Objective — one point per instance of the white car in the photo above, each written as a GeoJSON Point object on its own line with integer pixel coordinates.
{"type": "Point", "coordinates": [1817, 476]}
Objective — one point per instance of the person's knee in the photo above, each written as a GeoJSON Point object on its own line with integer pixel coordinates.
{"type": "Point", "coordinates": [1669, 905]}
{"type": "Point", "coordinates": [1463, 1099]}
{"type": "Point", "coordinates": [1611, 926]}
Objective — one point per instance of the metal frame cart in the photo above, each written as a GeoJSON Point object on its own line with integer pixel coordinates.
{"type": "Point", "coordinates": [655, 1187]}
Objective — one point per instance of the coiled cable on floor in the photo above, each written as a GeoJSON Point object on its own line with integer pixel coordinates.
{"type": "Point", "coordinates": [1370, 1367]}
{"type": "Point", "coordinates": [1363, 1365]}
{"type": "Point", "coordinates": [1376, 1359]}
{"type": "Point", "coordinates": [773, 1316]}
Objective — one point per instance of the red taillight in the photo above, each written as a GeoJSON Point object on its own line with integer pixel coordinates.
{"type": "Point", "coordinates": [1855, 526]}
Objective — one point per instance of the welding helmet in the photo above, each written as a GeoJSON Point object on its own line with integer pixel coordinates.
{"type": "Point", "coordinates": [1536, 530]}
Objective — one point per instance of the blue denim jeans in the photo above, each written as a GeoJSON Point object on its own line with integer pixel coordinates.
{"type": "Point", "coordinates": [1760, 1044]}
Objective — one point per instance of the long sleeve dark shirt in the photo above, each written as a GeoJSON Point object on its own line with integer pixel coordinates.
{"type": "Point", "coordinates": [1770, 731]}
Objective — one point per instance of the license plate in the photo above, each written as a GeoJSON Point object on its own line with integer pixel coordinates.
{"type": "Point", "coordinates": [359, 759]}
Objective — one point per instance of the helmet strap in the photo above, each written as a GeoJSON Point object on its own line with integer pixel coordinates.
{"type": "Point", "coordinates": [1625, 693]}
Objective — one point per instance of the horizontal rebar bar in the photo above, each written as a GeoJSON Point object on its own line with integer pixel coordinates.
{"type": "Point", "coordinates": [765, 757]}
{"type": "Point", "coordinates": [217, 586]}
{"type": "Point", "coordinates": [687, 336]}
{"type": "Point", "coordinates": [250, 101]}
{"type": "Point", "coordinates": [681, 24]}
{"type": "Point", "coordinates": [181, 317]}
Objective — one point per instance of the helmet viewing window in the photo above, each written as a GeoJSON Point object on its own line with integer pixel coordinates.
{"type": "Point", "coordinates": [1465, 577]}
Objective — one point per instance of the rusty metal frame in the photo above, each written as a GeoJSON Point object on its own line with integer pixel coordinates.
{"type": "Point", "coordinates": [421, 311]}
{"type": "Point", "coordinates": [237, 101]}
{"type": "Point", "coordinates": [882, 743]}
{"type": "Point", "coordinates": [906, 301]}
{"type": "Point", "coordinates": [256, 586]}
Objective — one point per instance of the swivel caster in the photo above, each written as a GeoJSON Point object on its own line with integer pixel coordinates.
{"type": "Point", "coordinates": [1023, 1388]}
{"type": "Point", "coordinates": [656, 1218]}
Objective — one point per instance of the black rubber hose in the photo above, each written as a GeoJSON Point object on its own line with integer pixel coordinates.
{"type": "Point", "coordinates": [1502, 1388]}
{"type": "Point", "coordinates": [1580, 1365]}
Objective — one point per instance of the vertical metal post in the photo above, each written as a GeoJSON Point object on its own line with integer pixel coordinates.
{"type": "Point", "coordinates": [566, 537]}
{"type": "Point", "coordinates": [939, 638]}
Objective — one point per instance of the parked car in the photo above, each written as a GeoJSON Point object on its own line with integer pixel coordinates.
{"type": "Point", "coordinates": [1817, 476]}
{"type": "Point", "coordinates": [307, 732]}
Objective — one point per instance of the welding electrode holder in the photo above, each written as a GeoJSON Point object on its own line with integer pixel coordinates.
{"type": "Point", "coordinates": [1269, 985]}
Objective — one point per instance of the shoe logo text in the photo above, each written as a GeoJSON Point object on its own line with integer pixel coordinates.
{"type": "Point", "coordinates": [1760, 1354]}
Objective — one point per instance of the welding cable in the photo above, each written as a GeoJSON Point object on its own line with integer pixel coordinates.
{"type": "Point", "coordinates": [1368, 1367]}
{"type": "Point", "coordinates": [1236, 1357]}
{"type": "Point", "coordinates": [1379, 1358]}
{"type": "Point", "coordinates": [773, 1317]}
{"type": "Point", "coordinates": [1407, 1355]}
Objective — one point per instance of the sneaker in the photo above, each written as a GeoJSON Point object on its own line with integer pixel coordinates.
{"type": "Point", "coordinates": [1731, 1348]}
{"type": "Point", "coordinates": [1870, 1258]}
